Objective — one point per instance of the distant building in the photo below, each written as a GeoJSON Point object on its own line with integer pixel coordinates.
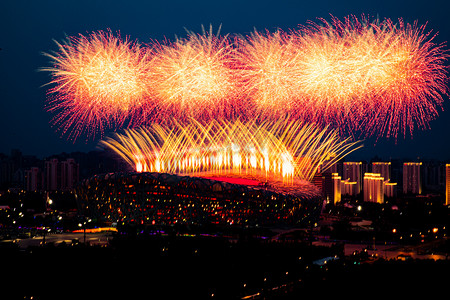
{"type": "Point", "coordinates": [433, 176]}
{"type": "Point", "coordinates": [352, 171]}
{"type": "Point", "coordinates": [6, 173]}
{"type": "Point", "coordinates": [383, 168]}
{"type": "Point", "coordinates": [373, 188]}
{"type": "Point", "coordinates": [390, 189]}
{"type": "Point", "coordinates": [70, 174]}
{"type": "Point", "coordinates": [412, 181]}
{"type": "Point", "coordinates": [447, 184]}
{"type": "Point", "coordinates": [332, 187]}
{"type": "Point", "coordinates": [34, 179]}
{"type": "Point", "coordinates": [348, 187]}
{"type": "Point", "coordinates": [52, 175]}
{"type": "Point", "coordinates": [336, 168]}
{"type": "Point", "coordinates": [61, 175]}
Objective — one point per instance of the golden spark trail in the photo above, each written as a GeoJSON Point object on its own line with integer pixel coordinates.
{"type": "Point", "coordinates": [284, 149]}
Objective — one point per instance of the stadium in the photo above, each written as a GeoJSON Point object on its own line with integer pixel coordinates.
{"type": "Point", "coordinates": [152, 198]}
{"type": "Point", "coordinates": [227, 173]}
{"type": "Point", "coordinates": [267, 109]}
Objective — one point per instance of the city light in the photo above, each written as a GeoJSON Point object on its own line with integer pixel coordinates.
{"type": "Point", "coordinates": [219, 163]}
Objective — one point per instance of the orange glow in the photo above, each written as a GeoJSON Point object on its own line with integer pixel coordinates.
{"type": "Point", "coordinates": [283, 149]}
{"type": "Point", "coordinates": [96, 230]}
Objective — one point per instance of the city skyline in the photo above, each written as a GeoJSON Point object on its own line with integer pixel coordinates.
{"type": "Point", "coordinates": [29, 130]}
{"type": "Point", "coordinates": [246, 185]}
{"type": "Point", "coordinates": [63, 171]}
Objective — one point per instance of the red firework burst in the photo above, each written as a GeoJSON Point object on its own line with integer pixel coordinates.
{"type": "Point", "coordinates": [99, 81]}
{"type": "Point", "coordinates": [364, 77]}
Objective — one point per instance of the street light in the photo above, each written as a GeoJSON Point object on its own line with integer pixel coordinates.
{"type": "Point", "coordinates": [84, 231]}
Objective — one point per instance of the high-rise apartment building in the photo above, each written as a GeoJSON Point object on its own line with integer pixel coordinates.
{"type": "Point", "coordinates": [61, 175]}
{"type": "Point", "coordinates": [412, 181]}
{"type": "Point", "coordinates": [348, 187]}
{"type": "Point", "coordinates": [70, 174]}
{"type": "Point", "coordinates": [332, 187]}
{"type": "Point", "coordinates": [33, 179]}
{"type": "Point", "coordinates": [52, 175]}
{"type": "Point", "coordinates": [447, 184]}
{"type": "Point", "coordinates": [382, 168]}
{"type": "Point", "coordinates": [433, 176]}
{"type": "Point", "coordinates": [352, 171]}
{"type": "Point", "coordinates": [373, 188]}
{"type": "Point", "coordinates": [390, 189]}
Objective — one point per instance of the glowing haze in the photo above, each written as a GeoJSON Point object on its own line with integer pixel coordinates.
{"type": "Point", "coordinates": [363, 77]}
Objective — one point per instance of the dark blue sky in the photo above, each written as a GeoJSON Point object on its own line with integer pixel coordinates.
{"type": "Point", "coordinates": [28, 27]}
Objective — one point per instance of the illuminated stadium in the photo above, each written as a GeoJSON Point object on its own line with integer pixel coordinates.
{"type": "Point", "coordinates": [233, 129]}
{"type": "Point", "coordinates": [165, 199]}
{"type": "Point", "coordinates": [226, 173]}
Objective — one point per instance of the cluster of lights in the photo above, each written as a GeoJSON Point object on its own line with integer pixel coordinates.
{"type": "Point", "coordinates": [372, 77]}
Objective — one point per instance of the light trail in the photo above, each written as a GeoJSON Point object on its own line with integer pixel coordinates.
{"type": "Point", "coordinates": [284, 149]}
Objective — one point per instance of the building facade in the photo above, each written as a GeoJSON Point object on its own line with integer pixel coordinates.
{"type": "Point", "coordinates": [332, 187]}
{"type": "Point", "coordinates": [61, 175]}
{"type": "Point", "coordinates": [447, 184]}
{"type": "Point", "coordinates": [382, 168]}
{"type": "Point", "coordinates": [373, 188]}
{"type": "Point", "coordinates": [390, 189]}
{"type": "Point", "coordinates": [412, 178]}
{"type": "Point", "coordinates": [34, 179]}
{"type": "Point", "coordinates": [70, 174]}
{"type": "Point", "coordinates": [348, 187]}
{"type": "Point", "coordinates": [352, 171]}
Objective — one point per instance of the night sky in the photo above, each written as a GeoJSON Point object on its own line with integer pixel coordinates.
{"type": "Point", "coordinates": [28, 27]}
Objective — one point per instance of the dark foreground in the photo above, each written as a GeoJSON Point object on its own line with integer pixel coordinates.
{"type": "Point", "coordinates": [204, 267]}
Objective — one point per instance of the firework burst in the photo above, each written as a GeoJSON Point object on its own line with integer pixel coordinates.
{"type": "Point", "coordinates": [268, 69]}
{"type": "Point", "coordinates": [384, 77]}
{"type": "Point", "coordinates": [193, 76]}
{"type": "Point", "coordinates": [98, 81]}
{"type": "Point", "coordinates": [367, 78]}
{"type": "Point", "coordinates": [283, 149]}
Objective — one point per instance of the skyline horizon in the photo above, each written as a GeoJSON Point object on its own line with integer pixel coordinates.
{"type": "Point", "coordinates": [354, 156]}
